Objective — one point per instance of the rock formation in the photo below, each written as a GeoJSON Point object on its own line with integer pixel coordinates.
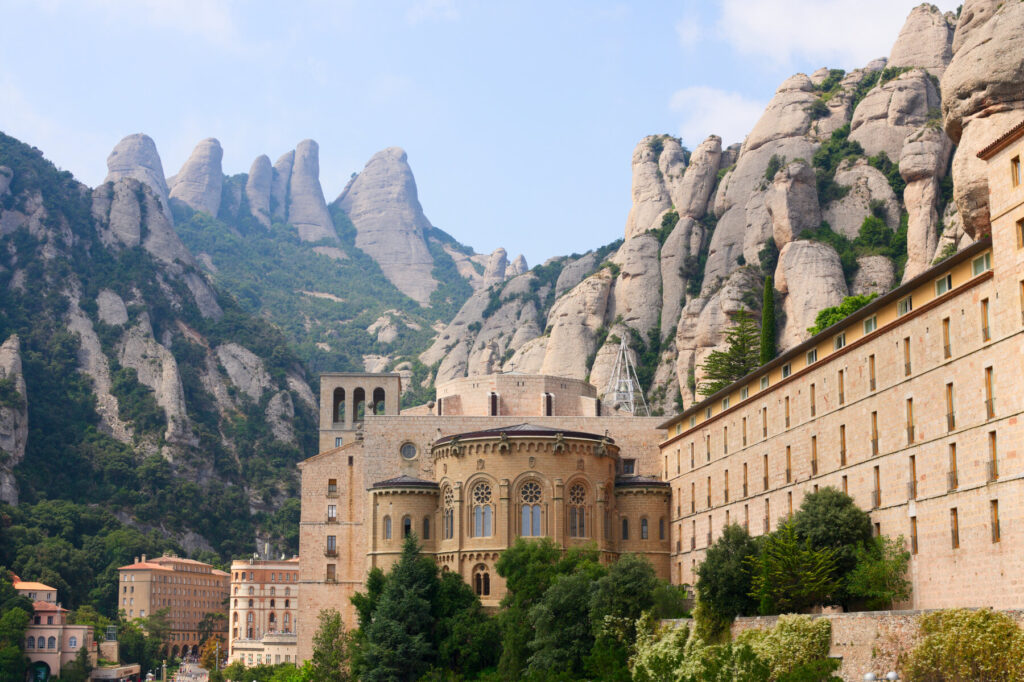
{"type": "Point", "coordinates": [922, 164]}
{"type": "Point", "coordinates": [810, 277]}
{"type": "Point", "coordinates": [130, 214]}
{"type": "Point", "coordinates": [257, 189]}
{"type": "Point", "coordinates": [279, 185]}
{"type": "Point", "coordinates": [792, 202]}
{"type": "Point", "coordinates": [518, 266]}
{"type": "Point", "coordinates": [307, 210]}
{"type": "Point", "coordinates": [383, 205]}
{"type": "Point", "coordinates": [13, 417]}
{"type": "Point", "coordinates": [868, 188]}
{"type": "Point", "coordinates": [245, 369]}
{"type": "Point", "coordinates": [893, 110]}
{"type": "Point", "coordinates": [497, 264]}
{"type": "Point", "coordinates": [874, 275]}
{"type": "Point", "coordinates": [199, 182]}
{"type": "Point", "coordinates": [136, 157]}
{"type": "Point", "coordinates": [926, 40]}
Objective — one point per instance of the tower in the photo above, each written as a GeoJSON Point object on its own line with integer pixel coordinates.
{"type": "Point", "coordinates": [623, 391]}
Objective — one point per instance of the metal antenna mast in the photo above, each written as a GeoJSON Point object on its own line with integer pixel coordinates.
{"type": "Point", "coordinates": [623, 392]}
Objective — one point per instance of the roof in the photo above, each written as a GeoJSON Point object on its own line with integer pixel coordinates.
{"type": "Point", "coordinates": [871, 308]}
{"type": "Point", "coordinates": [640, 482]}
{"type": "Point", "coordinates": [22, 585]}
{"type": "Point", "coordinates": [1002, 141]}
{"type": "Point", "coordinates": [38, 606]}
{"type": "Point", "coordinates": [521, 430]}
{"type": "Point", "coordinates": [346, 446]}
{"type": "Point", "coordinates": [404, 481]}
{"type": "Point", "coordinates": [145, 566]}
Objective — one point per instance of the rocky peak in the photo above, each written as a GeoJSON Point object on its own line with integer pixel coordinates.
{"type": "Point", "coordinates": [497, 264]}
{"type": "Point", "coordinates": [200, 180]}
{"type": "Point", "coordinates": [135, 157]}
{"type": "Point", "coordinates": [13, 418]}
{"type": "Point", "coordinates": [383, 205]}
{"type": "Point", "coordinates": [257, 189]}
{"type": "Point", "coordinates": [279, 186]}
{"type": "Point", "coordinates": [926, 40]}
{"type": "Point", "coordinates": [307, 209]}
{"type": "Point", "coordinates": [650, 194]}
{"type": "Point", "coordinates": [518, 266]}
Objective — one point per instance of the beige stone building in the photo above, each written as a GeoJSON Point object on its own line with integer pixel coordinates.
{"type": "Point", "coordinates": [264, 611]}
{"type": "Point", "coordinates": [912, 405]}
{"type": "Point", "coordinates": [188, 589]}
{"type": "Point", "coordinates": [33, 590]}
{"type": "Point", "coordinates": [51, 642]}
{"type": "Point", "coordinates": [509, 455]}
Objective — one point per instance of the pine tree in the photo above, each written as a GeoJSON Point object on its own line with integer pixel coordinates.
{"type": "Point", "coordinates": [330, 649]}
{"type": "Point", "coordinates": [722, 367]}
{"type": "Point", "coordinates": [768, 322]}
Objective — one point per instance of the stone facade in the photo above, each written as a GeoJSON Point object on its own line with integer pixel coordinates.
{"type": "Point", "coordinates": [422, 472]}
{"type": "Point", "coordinates": [51, 642]}
{"type": "Point", "coordinates": [263, 612]}
{"type": "Point", "coordinates": [911, 405]}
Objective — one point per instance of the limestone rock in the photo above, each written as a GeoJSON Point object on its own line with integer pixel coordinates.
{"type": "Point", "coordinates": [375, 364]}
{"type": "Point", "coordinates": [636, 295]}
{"type": "Point", "coordinates": [307, 210]}
{"type": "Point", "coordinates": [691, 198]}
{"type": "Point", "coordinates": [298, 386]}
{"type": "Point", "coordinates": [93, 361]}
{"type": "Point", "coordinates": [867, 184]}
{"type": "Point", "coordinates": [650, 196]}
{"type": "Point", "coordinates": [982, 97]}
{"type": "Point", "coordinates": [792, 202]}
{"type": "Point", "coordinates": [573, 324]}
{"type": "Point", "coordinates": [529, 358]}
{"type": "Point", "coordinates": [926, 40]}
{"type": "Point", "coordinates": [279, 185]}
{"type": "Point", "coordinates": [390, 225]}
{"type": "Point", "coordinates": [682, 245]}
{"type": "Point", "coordinates": [922, 165]}
{"type": "Point", "coordinates": [574, 271]}
{"type": "Point", "coordinates": [840, 106]}
{"type": "Point", "coordinates": [203, 295]}
{"type": "Point", "coordinates": [257, 189]}
{"type": "Point", "coordinates": [136, 157]}
{"type": "Point", "coordinates": [13, 419]}
{"type": "Point", "coordinates": [245, 369]}
{"type": "Point", "coordinates": [953, 237]}
{"type": "Point", "coordinates": [158, 370]}
{"type": "Point", "coordinates": [129, 213]}
{"type": "Point", "coordinates": [518, 266]}
{"type": "Point", "coordinates": [280, 413]}
{"type": "Point", "coordinates": [494, 273]}
{"type": "Point", "coordinates": [890, 112]}
{"type": "Point", "coordinates": [787, 114]}
{"type": "Point", "coordinates": [384, 328]}
{"type": "Point", "coordinates": [199, 182]}
{"type": "Point", "coordinates": [874, 275]}
{"type": "Point", "coordinates": [112, 309]}
{"type": "Point", "coordinates": [810, 277]}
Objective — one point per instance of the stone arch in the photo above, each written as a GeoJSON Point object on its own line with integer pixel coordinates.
{"type": "Point", "coordinates": [531, 494]}
{"type": "Point", "coordinates": [358, 404]}
{"type": "Point", "coordinates": [579, 514]}
{"type": "Point", "coordinates": [482, 507]}
{"type": "Point", "coordinates": [378, 401]}
{"type": "Point", "coordinates": [339, 405]}
{"type": "Point", "coordinates": [406, 526]}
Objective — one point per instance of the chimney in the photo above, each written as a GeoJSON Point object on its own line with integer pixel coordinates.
{"type": "Point", "coordinates": [143, 558]}
{"type": "Point", "coordinates": [136, 560]}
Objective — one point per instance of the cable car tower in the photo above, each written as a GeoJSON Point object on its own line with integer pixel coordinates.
{"type": "Point", "coordinates": [623, 392]}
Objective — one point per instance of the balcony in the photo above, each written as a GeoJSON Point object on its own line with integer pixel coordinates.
{"type": "Point", "coordinates": [991, 471]}
{"type": "Point", "coordinates": [990, 408]}
{"type": "Point", "coordinates": [910, 434]}
{"type": "Point", "coordinates": [330, 552]}
{"type": "Point", "coordinates": [912, 490]}
{"type": "Point", "coordinates": [332, 493]}
{"type": "Point", "coordinates": [950, 421]}
{"type": "Point", "coordinates": [952, 481]}
{"type": "Point", "coordinates": [876, 499]}
{"type": "Point", "coordinates": [332, 519]}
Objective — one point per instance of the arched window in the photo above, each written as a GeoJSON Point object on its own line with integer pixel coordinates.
{"type": "Point", "coordinates": [72, 642]}
{"type": "Point", "coordinates": [287, 591]}
{"type": "Point", "coordinates": [426, 527]}
{"type": "Point", "coordinates": [483, 510]}
{"type": "Point", "coordinates": [643, 529]}
{"type": "Point", "coordinates": [406, 527]}
{"type": "Point", "coordinates": [387, 527]}
{"type": "Point", "coordinates": [481, 581]}
{"type": "Point", "coordinates": [287, 621]}
{"type": "Point", "coordinates": [272, 620]}
{"type": "Point", "coordinates": [378, 401]}
{"type": "Point", "coordinates": [271, 603]}
{"type": "Point", "coordinates": [339, 405]}
{"type": "Point", "coordinates": [31, 642]}
{"type": "Point", "coordinates": [358, 404]}
{"type": "Point", "coordinates": [252, 590]}
{"type": "Point", "coordinates": [625, 529]}
{"type": "Point", "coordinates": [236, 618]}
{"type": "Point", "coordinates": [530, 496]}
{"type": "Point", "coordinates": [449, 514]}
{"type": "Point", "coordinates": [248, 617]}
{"type": "Point", "coordinates": [271, 588]}
{"type": "Point", "coordinates": [577, 511]}
{"type": "Point", "coordinates": [250, 604]}
{"type": "Point", "coordinates": [51, 643]}
{"type": "Point", "coordinates": [661, 528]}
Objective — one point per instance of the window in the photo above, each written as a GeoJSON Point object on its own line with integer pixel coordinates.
{"type": "Point", "coordinates": [387, 527]}
{"type": "Point", "coordinates": [725, 403]}
{"type": "Point", "coordinates": [406, 527]}
{"type": "Point", "coordinates": [1015, 171]}
{"type": "Point", "coordinates": [842, 445]}
{"type": "Point", "coordinates": [548, 405]}
{"type": "Point", "coordinates": [786, 411]}
{"type": "Point", "coordinates": [494, 404]}
{"type": "Point", "coordinates": [845, 486]}
{"type": "Point", "coordinates": [530, 497]}
{"type": "Point", "coordinates": [952, 478]}
{"type": "Point", "coordinates": [943, 284]}
{"type": "Point", "coordinates": [812, 356]}
{"type": "Point", "coordinates": [874, 433]}
{"type": "Point", "coordinates": [993, 462]}
{"type": "Point", "coordinates": [985, 335]}
{"type": "Point", "coordinates": [448, 525]}
{"type": "Point", "coordinates": [707, 413]}
{"type": "Point", "coordinates": [913, 535]}
{"type": "Point", "coordinates": [744, 422]}
{"type": "Point", "coordinates": [693, 420]}
{"type": "Point", "coordinates": [744, 392]}
{"type": "Point", "coordinates": [950, 414]}
{"type": "Point", "coordinates": [839, 341]}
{"type": "Point", "coordinates": [764, 382]}
{"type": "Point", "coordinates": [814, 408]}
{"type": "Point", "coordinates": [408, 451]}
{"type": "Point", "coordinates": [51, 643]}
{"type": "Point", "coordinates": [661, 529]}
{"type": "Point", "coordinates": [426, 527]}
{"type": "Point", "coordinates": [577, 511]}
{"type": "Point", "coordinates": [625, 529]}
{"type": "Point", "coordinates": [764, 422]}
{"type": "Point", "coordinates": [332, 512]}
{"type": "Point", "coordinates": [31, 642]}
{"type": "Point", "coordinates": [841, 383]}
{"type": "Point", "coordinates": [483, 510]}
{"type": "Point", "coordinates": [871, 371]}
{"type": "Point", "coordinates": [983, 263]}
{"type": "Point", "coordinates": [789, 464]}
{"type": "Point", "coordinates": [787, 369]}
{"type": "Point", "coordinates": [912, 487]}
{"type": "Point", "coordinates": [643, 529]}
{"type": "Point", "coordinates": [954, 528]}
{"type": "Point", "coordinates": [72, 642]}
{"type": "Point", "coordinates": [990, 404]}
{"type": "Point", "coordinates": [481, 581]}
{"type": "Point", "coordinates": [814, 455]}
{"type": "Point", "coordinates": [338, 442]}
{"type": "Point", "coordinates": [906, 356]}
{"type": "Point", "coordinates": [725, 440]}
{"type": "Point", "coordinates": [996, 536]}
{"type": "Point", "coordinates": [870, 324]}
{"type": "Point", "coordinates": [876, 500]}
{"type": "Point", "coordinates": [629, 466]}
{"type": "Point", "coordinates": [904, 306]}
{"type": "Point", "coordinates": [332, 544]}
{"type": "Point", "coordinates": [332, 487]}
{"type": "Point", "coordinates": [725, 482]}
{"type": "Point", "coordinates": [910, 420]}
{"type": "Point", "coordinates": [947, 350]}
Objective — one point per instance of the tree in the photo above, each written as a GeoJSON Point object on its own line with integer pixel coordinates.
{"type": "Point", "coordinates": [827, 317]}
{"type": "Point", "coordinates": [79, 669]}
{"type": "Point", "coordinates": [880, 575]}
{"type": "Point", "coordinates": [210, 624]}
{"type": "Point", "coordinates": [399, 640]}
{"type": "Point", "coordinates": [790, 575]}
{"type": "Point", "coordinates": [723, 578]}
{"type": "Point", "coordinates": [829, 518]}
{"type": "Point", "coordinates": [962, 644]}
{"type": "Point", "coordinates": [13, 663]}
{"type": "Point", "coordinates": [468, 639]}
{"type": "Point", "coordinates": [562, 631]}
{"type": "Point", "coordinates": [619, 599]}
{"type": "Point", "coordinates": [210, 651]}
{"type": "Point", "coordinates": [767, 353]}
{"type": "Point", "coordinates": [330, 649]}
{"type": "Point", "coordinates": [740, 357]}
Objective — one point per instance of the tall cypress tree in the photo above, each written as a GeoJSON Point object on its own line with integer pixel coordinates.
{"type": "Point", "coordinates": [768, 322]}
{"type": "Point", "coordinates": [722, 367]}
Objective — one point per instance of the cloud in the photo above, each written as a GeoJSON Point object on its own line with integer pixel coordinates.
{"type": "Point", "coordinates": [708, 111]}
{"type": "Point", "coordinates": [839, 33]}
{"type": "Point", "coordinates": [431, 10]}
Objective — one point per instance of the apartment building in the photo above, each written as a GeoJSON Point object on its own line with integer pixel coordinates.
{"type": "Point", "coordinates": [264, 611]}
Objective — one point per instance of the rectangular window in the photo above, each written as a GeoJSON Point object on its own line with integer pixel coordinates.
{"type": "Point", "coordinates": [725, 481]}
{"type": "Point", "coordinates": [764, 382]}
{"type": "Point", "coordinates": [744, 392]}
{"type": "Point", "coordinates": [870, 324]}
{"type": "Point", "coordinates": [767, 516]}
{"type": "Point", "coordinates": [337, 442]}
{"type": "Point", "coordinates": [332, 487]}
{"type": "Point", "coordinates": [996, 535]}
{"type": "Point", "coordinates": [787, 369]}
{"type": "Point", "coordinates": [912, 487]}
{"type": "Point", "coordinates": [913, 535]}
{"type": "Point", "coordinates": [629, 466]}
{"type": "Point", "coordinates": [814, 408]}
{"type": "Point", "coordinates": [910, 420]}
{"type": "Point", "coordinates": [789, 465]}
{"type": "Point", "coordinates": [814, 455]}
{"type": "Point", "coordinates": [1015, 171]}
{"type": "Point", "coordinates": [876, 498]}
{"type": "Point", "coordinates": [707, 447]}
{"type": "Point", "coordinates": [983, 263]}
{"type": "Point", "coordinates": [954, 528]}
{"type": "Point", "coordinates": [746, 517]}
{"type": "Point", "coordinates": [693, 420]}
{"type": "Point", "coordinates": [812, 356]}
{"type": "Point", "coordinates": [943, 284]}
{"type": "Point", "coordinates": [842, 445]}
{"type": "Point", "coordinates": [725, 440]}
{"type": "Point", "coordinates": [332, 575]}
{"type": "Point", "coordinates": [985, 335]}
{"type": "Point", "coordinates": [691, 455]}
{"type": "Point", "coordinates": [874, 433]}
{"type": "Point", "coordinates": [950, 412]}
{"type": "Point", "coordinates": [904, 306]}
{"type": "Point", "coordinates": [990, 404]}
{"type": "Point", "coordinates": [745, 493]}
{"type": "Point", "coordinates": [764, 422]}
{"type": "Point", "coordinates": [744, 432]}
{"type": "Point", "coordinates": [1020, 233]}
{"type": "Point", "coordinates": [765, 468]}
{"type": "Point", "coordinates": [693, 497]}
{"type": "Point", "coordinates": [839, 341]}
{"type": "Point", "coordinates": [332, 544]}
{"type": "Point", "coordinates": [787, 411]}
{"type": "Point", "coordinates": [906, 356]}
{"type": "Point", "coordinates": [846, 488]}
{"type": "Point", "coordinates": [789, 503]}
{"type": "Point", "coordinates": [709, 492]}
{"type": "Point", "coordinates": [953, 477]}
{"type": "Point", "coordinates": [842, 386]}
{"type": "Point", "coordinates": [332, 512]}
{"type": "Point", "coordinates": [707, 413]}
{"type": "Point", "coordinates": [993, 460]}
{"type": "Point", "coordinates": [871, 371]}
{"type": "Point", "coordinates": [725, 403]}
{"type": "Point", "coordinates": [947, 351]}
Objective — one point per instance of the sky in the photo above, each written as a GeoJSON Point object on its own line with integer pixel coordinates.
{"type": "Point", "coordinates": [519, 118]}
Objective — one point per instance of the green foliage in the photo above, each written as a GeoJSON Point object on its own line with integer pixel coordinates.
{"type": "Point", "coordinates": [830, 519]}
{"type": "Point", "coordinates": [615, 269]}
{"type": "Point", "coordinates": [668, 223]}
{"type": "Point", "coordinates": [961, 644]}
{"type": "Point", "coordinates": [794, 641]}
{"type": "Point", "coordinates": [15, 611]}
{"type": "Point", "coordinates": [141, 640]}
{"type": "Point", "coordinates": [9, 394]}
{"type": "Point", "coordinates": [79, 669]}
{"type": "Point", "coordinates": [827, 317]}
{"type": "Point", "coordinates": [948, 251]}
{"type": "Point", "coordinates": [648, 355]}
{"type": "Point", "coordinates": [879, 577]}
{"type": "Point", "coordinates": [818, 109]}
{"type": "Point", "coordinates": [775, 164]}
{"type": "Point", "coordinates": [723, 578]}
{"type": "Point", "coordinates": [767, 350]}
{"type": "Point", "coordinates": [135, 402]}
{"type": "Point", "coordinates": [830, 85]}
{"type": "Point", "coordinates": [826, 160]}
{"type": "Point", "coordinates": [330, 649]}
{"type": "Point", "coordinates": [891, 170]}
{"type": "Point", "coordinates": [741, 357]}
{"type": "Point", "coordinates": [790, 574]}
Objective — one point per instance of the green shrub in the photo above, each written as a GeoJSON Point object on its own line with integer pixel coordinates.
{"type": "Point", "coordinates": [960, 644]}
{"type": "Point", "coordinates": [818, 109]}
{"type": "Point", "coordinates": [830, 85]}
{"type": "Point", "coordinates": [891, 170]}
{"type": "Point", "coordinates": [827, 317]}
{"type": "Point", "coordinates": [827, 159]}
{"type": "Point", "coordinates": [774, 165]}
{"type": "Point", "coordinates": [880, 576]}
{"type": "Point", "coordinates": [795, 640]}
